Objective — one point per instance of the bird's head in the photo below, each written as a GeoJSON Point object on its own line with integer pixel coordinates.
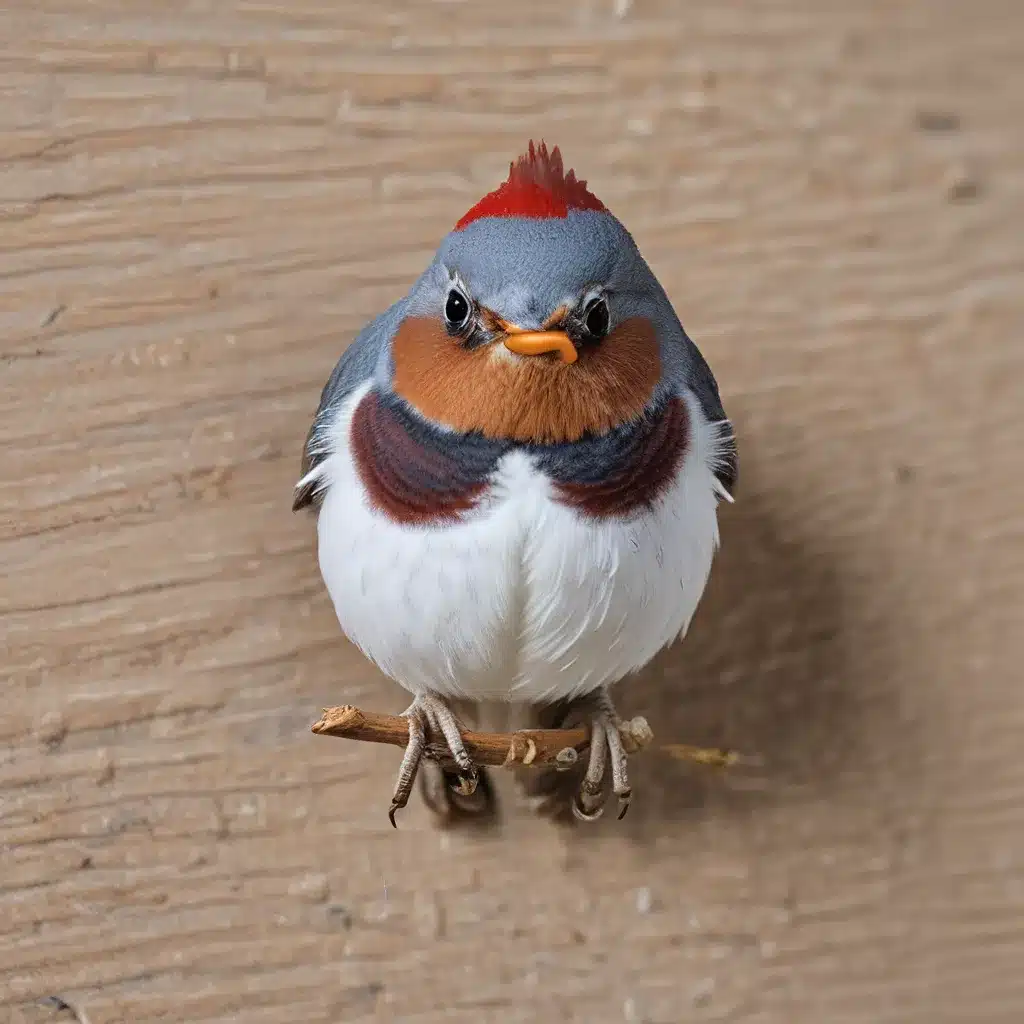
{"type": "Point", "coordinates": [538, 319]}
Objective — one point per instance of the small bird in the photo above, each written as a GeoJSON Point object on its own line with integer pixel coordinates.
{"type": "Point", "coordinates": [516, 470]}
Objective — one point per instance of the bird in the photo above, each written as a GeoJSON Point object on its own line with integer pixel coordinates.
{"type": "Point", "coordinates": [516, 470]}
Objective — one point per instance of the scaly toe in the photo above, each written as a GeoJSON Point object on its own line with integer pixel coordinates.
{"type": "Point", "coordinates": [410, 763]}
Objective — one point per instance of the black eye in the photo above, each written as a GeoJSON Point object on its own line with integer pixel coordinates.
{"type": "Point", "coordinates": [456, 310]}
{"type": "Point", "coordinates": [597, 319]}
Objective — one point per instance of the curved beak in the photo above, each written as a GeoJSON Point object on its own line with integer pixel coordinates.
{"type": "Point", "coordinates": [539, 343]}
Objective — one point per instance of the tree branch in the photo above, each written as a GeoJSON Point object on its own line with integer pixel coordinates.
{"type": "Point", "coordinates": [558, 747]}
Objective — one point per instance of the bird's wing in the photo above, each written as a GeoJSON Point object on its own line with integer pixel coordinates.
{"type": "Point", "coordinates": [357, 364]}
{"type": "Point", "coordinates": [702, 383]}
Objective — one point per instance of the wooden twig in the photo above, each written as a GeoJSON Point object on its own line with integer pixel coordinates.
{"type": "Point", "coordinates": [558, 747]}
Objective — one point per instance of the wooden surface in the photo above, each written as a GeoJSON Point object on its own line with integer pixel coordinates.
{"type": "Point", "coordinates": [200, 203]}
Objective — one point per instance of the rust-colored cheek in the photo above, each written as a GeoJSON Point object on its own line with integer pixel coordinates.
{"type": "Point", "coordinates": [527, 399]}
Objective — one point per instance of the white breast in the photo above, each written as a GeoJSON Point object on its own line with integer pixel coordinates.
{"type": "Point", "coordinates": [526, 600]}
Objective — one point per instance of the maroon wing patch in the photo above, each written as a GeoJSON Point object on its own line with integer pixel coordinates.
{"type": "Point", "coordinates": [646, 461]}
{"type": "Point", "coordinates": [414, 473]}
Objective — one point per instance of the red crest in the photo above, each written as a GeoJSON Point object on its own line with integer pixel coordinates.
{"type": "Point", "coordinates": [537, 187]}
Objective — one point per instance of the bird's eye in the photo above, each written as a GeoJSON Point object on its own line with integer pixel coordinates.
{"type": "Point", "coordinates": [597, 318]}
{"type": "Point", "coordinates": [456, 310]}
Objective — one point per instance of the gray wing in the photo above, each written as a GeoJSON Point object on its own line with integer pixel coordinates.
{"type": "Point", "coordinates": [704, 386]}
{"type": "Point", "coordinates": [698, 378]}
{"type": "Point", "coordinates": [357, 364]}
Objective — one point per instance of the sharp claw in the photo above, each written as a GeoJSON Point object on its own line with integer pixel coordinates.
{"type": "Point", "coordinates": [391, 814]}
{"type": "Point", "coordinates": [624, 803]}
{"type": "Point", "coordinates": [581, 814]}
{"type": "Point", "coordinates": [467, 783]}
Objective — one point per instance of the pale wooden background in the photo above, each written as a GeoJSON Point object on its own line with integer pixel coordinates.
{"type": "Point", "coordinates": [200, 202]}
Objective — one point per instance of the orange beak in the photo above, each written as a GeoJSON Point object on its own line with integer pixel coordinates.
{"type": "Point", "coordinates": [539, 343]}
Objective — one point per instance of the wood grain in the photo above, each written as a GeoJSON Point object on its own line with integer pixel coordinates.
{"type": "Point", "coordinates": [201, 203]}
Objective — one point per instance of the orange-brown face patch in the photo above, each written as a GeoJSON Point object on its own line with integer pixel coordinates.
{"type": "Point", "coordinates": [536, 398]}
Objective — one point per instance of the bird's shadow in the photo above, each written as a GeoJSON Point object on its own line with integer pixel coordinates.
{"type": "Point", "coordinates": [769, 669]}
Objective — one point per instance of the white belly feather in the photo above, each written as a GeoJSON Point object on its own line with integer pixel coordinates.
{"type": "Point", "coordinates": [526, 600]}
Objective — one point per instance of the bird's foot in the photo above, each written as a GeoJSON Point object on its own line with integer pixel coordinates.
{"type": "Point", "coordinates": [430, 713]}
{"type": "Point", "coordinates": [611, 739]}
